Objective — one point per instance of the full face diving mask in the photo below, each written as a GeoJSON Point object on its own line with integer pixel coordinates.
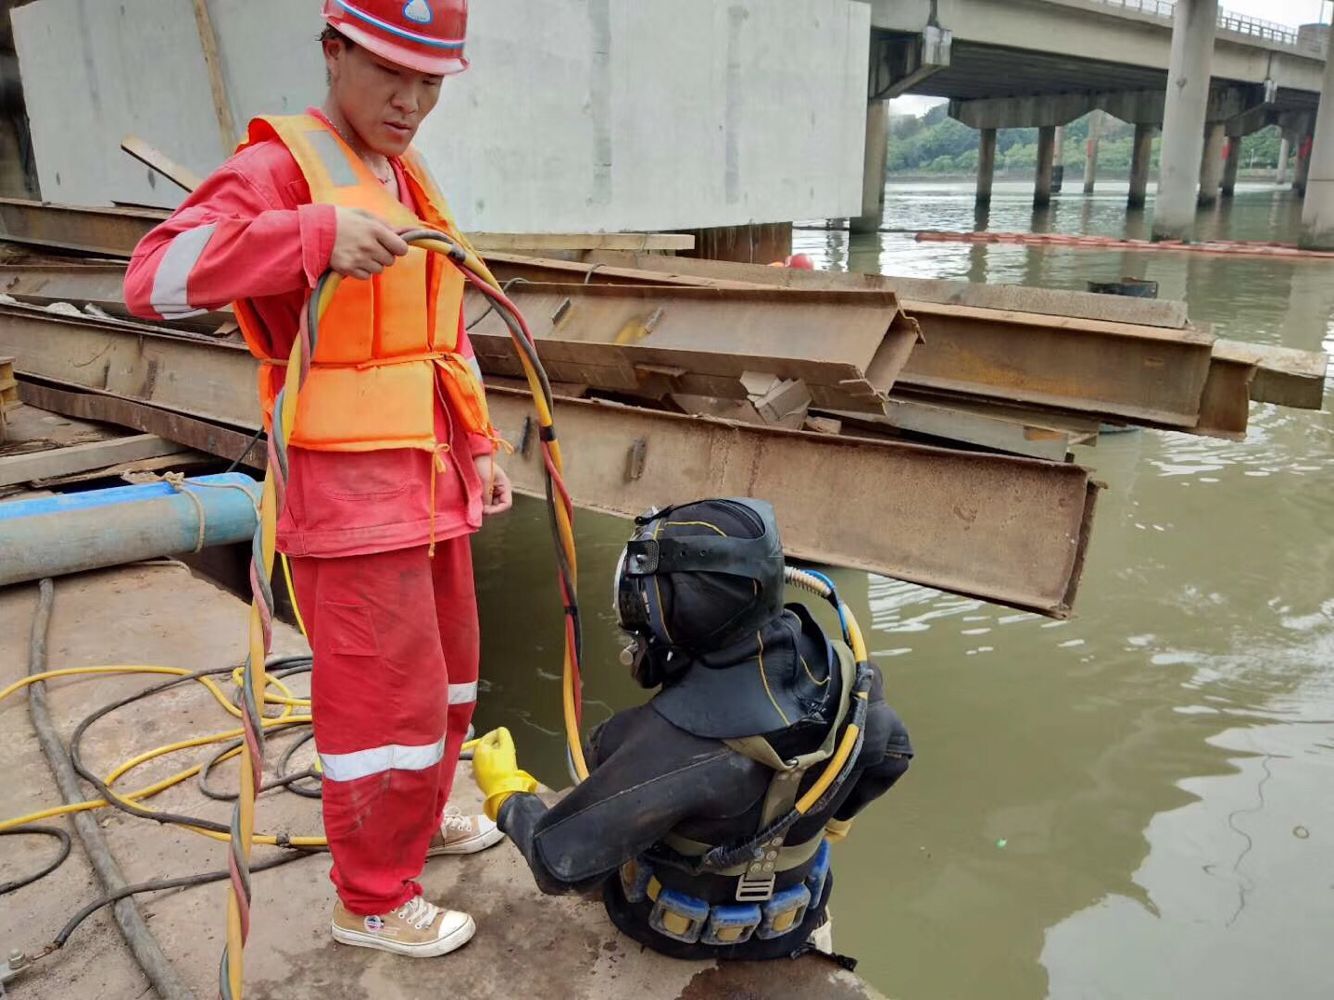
{"type": "Point", "coordinates": [699, 576]}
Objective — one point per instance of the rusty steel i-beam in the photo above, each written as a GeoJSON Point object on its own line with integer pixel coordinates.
{"type": "Point", "coordinates": [646, 340]}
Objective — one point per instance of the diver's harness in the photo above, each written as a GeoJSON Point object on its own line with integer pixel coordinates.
{"type": "Point", "coordinates": [759, 910]}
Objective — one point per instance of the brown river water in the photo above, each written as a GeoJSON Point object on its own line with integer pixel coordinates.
{"type": "Point", "coordinates": [1137, 803]}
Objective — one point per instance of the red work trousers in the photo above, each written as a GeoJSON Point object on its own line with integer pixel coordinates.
{"type": "Point", "coordinates": [395, 639]}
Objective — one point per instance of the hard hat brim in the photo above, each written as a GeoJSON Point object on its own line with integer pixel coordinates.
{"type": "Point", "coordinates": [401, 54]}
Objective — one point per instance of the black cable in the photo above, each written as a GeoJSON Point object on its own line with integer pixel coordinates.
{"type": "Point", "coordinates": [491, 305]}
{"type": "Point", "coordinates": [310, 772]}
{"type": "Point", "coordinates": [248, 448]}
{"type": "Point", "coordinates": [37, 831]}
{"type": "Point", "coordinates": [156, 967]}
{"type": "Point", "coordinates": [105, 792]}
{"type": "Point", "coordinates": [282, 781]}
{"type": "Point", "coordinates": [187, 882]}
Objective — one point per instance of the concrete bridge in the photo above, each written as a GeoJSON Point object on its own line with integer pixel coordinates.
{"type": "Point", "coordinates": [1044, 63]}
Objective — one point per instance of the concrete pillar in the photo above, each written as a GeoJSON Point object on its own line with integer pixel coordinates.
{"type": "Point", "coordinates": [986, 164]}
{"type": "Point", "coordinates": [1302, 171]}
{"type": "Point", "coordinates": [1284, 151]}
{"type": "Point", "coordinates": [1046, 155]}
{"type": "Point", "coordinates": [873, 169]}
{"type": "Point", "coordinates": [1318, 208]}
{"type": "Point", "coordinates": [1183, 118]}
{"type": "Point", "coordinates": [1091, 153]}
{"type": "Point", "coordinates": [1211, 162]}
{"type": "Point", "coordinates": [1058, 161]}
{"type": "Point", "coordinates": [1141, 159]}
{"type": "Point", "coordinates": [1231, 165]}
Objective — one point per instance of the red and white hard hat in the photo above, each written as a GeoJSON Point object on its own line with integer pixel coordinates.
{"type": "Point", "coordinates": [423, 35]}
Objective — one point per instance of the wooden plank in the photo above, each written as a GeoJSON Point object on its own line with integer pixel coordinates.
{"type": "Point", "coordinates": [151, 156]}
{"type": "Point", "coordinates": [81, 458]}
{"type": "Point", "coordinates": [174, 462]}
{"type": "Point", "coordinates": [553, 242]}
{"type": "Point", "coordinates": [222, 107]}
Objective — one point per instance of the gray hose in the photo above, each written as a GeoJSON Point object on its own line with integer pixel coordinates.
{"type": "Point", "coordinates": [162, 976]}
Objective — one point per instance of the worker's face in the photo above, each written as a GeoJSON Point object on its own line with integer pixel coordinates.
{"type": "Point", "coordinates": [384, 102]}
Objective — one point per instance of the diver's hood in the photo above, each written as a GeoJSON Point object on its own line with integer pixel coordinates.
{"type": "Point", "coordinates": [700, 576]}
{"type": "Point", "coordinates": [777, 678]}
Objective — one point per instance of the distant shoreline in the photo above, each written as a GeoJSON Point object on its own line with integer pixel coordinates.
{"type": "Point", "coordinates": [1071, 177]}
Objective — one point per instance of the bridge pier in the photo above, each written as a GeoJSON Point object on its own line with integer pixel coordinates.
{"type": "Point", "coordinates": [1058, 161]}
{"type": "Point", "coordinates": [1046, 160]}
{"type": "Point", "coordinates": [1231, 166]}
{"type": "Point", "coordinates": [873, 169]}
{"type": "Point", "coordinates": [1318, 208]}
{"type": "Point", "coordinates": [1188, 74]}
{"type": "Point", "coordinates": [986, 165]}
{"type": "Point", "coordinates": [1301, 171]}
{"type": "Point", "coordinates": [1141, 159]}
{"type": "Point", "coordinates": [1091, 152]}
{"type": "Point", "coordinates": [1284, 151]}
{"type": "Point", "coordinates": [1211, 163]}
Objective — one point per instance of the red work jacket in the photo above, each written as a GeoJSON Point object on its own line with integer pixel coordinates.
{"type": "Point", "coordinates": [251, 232]}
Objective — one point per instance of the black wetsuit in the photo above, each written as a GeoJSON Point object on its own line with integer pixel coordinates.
{"type": "Point", "coordinates": [650, 777]}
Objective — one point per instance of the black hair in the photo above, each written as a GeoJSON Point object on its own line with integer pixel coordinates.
{"type": "Point", "coordinates": [332, 34]}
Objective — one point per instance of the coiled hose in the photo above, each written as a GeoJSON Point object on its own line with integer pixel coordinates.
{"type": "Point", "coordinates": [560, 507]}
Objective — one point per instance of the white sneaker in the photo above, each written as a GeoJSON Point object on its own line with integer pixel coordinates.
{"type": "Point", "coordinates": [459, 834]}
{"type": "Point", "coordinates": [417, 928]}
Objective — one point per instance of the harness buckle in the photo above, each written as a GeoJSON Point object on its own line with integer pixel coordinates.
{"type": "Point", "coordinates": [755, 887]}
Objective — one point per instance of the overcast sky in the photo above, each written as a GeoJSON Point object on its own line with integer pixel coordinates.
{"type": "Point", "coordinates": [1291, 12]}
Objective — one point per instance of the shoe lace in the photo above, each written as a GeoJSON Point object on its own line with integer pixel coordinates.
{"type": "Point", "coordinates": [455, 821]}
{"type": "Point", "coordinates": [418, 912]}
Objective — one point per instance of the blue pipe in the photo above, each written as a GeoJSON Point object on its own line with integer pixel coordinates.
{"type": "Point", "coordinates": [74, 532]}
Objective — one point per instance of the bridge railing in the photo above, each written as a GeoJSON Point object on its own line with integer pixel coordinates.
{"type": "Point", "coordinates": [1242, 24]}
{"type": "Point", "coordinates": [1268, 30]}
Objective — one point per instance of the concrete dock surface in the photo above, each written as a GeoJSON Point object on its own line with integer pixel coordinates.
{"type": "Point", "coordinates": [527, 944]}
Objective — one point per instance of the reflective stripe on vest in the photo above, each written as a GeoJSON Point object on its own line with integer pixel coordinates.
{"type": "Point", "coordinates": [384, 343]}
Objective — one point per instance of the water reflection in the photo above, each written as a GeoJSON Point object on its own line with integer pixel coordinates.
{"type": "Point", "coordinates": [1106, 807]}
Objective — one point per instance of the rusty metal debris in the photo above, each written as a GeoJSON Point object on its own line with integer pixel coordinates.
{"type": "Point", "coordinates": [827, 385]}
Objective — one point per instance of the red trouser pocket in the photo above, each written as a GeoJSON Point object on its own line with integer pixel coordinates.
{"type": "Point", "coordinates": [350, 629]}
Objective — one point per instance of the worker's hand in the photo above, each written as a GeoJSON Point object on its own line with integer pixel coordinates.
{"type": "Point", "coordinates": [497, 491]}
{"type": "Point", "coordinates": [364, 245]}
{"type": "Point", "coordinates": [495, 767]}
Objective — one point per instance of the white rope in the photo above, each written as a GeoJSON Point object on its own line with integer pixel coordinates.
{"type": "Point", "coordinates": [178, 482]}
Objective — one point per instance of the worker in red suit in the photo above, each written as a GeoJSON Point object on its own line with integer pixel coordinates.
{"type": "Point", "coordinates": [392, 462]}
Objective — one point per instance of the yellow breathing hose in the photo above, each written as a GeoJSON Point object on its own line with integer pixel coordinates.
{"type": "Point", "coordinates": [852, 632]}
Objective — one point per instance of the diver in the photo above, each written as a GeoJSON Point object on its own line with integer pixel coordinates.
{"type": "Point", "coordinates": [708, 812]}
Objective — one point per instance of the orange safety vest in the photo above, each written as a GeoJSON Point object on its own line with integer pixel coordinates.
{"type": "Point", "coordinates": [384, 343]}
